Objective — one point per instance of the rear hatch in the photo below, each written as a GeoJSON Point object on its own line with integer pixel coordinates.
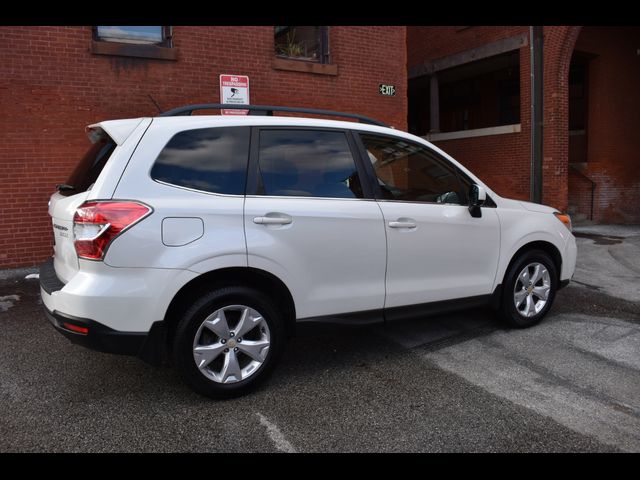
{"type": "Point", "coordinates": [71, 195]}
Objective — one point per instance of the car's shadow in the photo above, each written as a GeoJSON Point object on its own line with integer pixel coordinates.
{"type": "Point", "coordinates": [314, 352]}
{"type": "Point", "coordinates": [341, 346]}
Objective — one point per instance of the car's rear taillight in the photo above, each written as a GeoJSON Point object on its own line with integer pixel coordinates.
{"type": "Point", "coordinates": [97, 224]}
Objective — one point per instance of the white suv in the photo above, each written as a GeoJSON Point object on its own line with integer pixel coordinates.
{"type": "Point", "coordinates": [205, 240]}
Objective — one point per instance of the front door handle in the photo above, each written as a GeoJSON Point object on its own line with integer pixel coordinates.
{"type": "Point", "coordinates": [272, 220]}
{"type": "Point", "coordinates": [403, 223]}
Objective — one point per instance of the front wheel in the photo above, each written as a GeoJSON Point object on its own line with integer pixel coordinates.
{"type": "Point", "coordinates": [228, 342]}
{"type": "Point", "coordinates": [529, 289]}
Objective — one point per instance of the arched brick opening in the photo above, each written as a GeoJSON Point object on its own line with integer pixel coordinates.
{"type": "Point", "coordinates": [559, 43]}
{"type": "Point", "coordinates": [604, 72]}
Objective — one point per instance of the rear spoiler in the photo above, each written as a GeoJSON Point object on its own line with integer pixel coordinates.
{"type": "Point", "coordinates": [117, 130]}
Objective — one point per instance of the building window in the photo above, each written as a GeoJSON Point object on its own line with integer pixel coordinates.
{"type": "Point", "coordinates": [480, 94]}
{"type": "Point", "coordinates": [134, 41]}
{"type": "Point", "coordinates": [142, 35]}
{"type": "Point", "coordinates": [302, 43]}
{"type": "Point", "coordinates": [475, 95]}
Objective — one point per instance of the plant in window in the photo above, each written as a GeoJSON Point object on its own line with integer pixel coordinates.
{"type": "Point", "coordinates": [291, 48]}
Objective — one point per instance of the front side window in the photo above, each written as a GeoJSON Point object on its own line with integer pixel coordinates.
{"type": "Point", "coordinates": [409, 172]}
{"type": "Point", "coordinates": [302, 43]}
{"type": "Point", "coordinates": [307, 163]}
{"type": "Point", "coordinates": [208, 159]}
{"type": "Point", "coordinates": [140, 35]}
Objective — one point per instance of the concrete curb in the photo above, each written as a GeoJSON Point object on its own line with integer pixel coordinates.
{"type": "Point", "coordinates": [607, 230]}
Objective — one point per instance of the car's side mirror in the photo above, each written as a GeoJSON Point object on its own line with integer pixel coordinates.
{"type": "Point", "coordinates": [477, 197]}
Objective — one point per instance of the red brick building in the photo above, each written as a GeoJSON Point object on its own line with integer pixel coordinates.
{"type": "Point", "coordinates": [56, 80]}
{"type": "Point", "coordinates": [470, 93]}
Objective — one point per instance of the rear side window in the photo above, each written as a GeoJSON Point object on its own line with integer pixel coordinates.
{"type": "Point", "coordinates": [307, 163]}
{"type": "Point", "coordinates": [208, 159]}
{"type": "Point", "coordinates": [88, 169]}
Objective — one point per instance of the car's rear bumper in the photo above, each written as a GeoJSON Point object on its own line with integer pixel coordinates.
{"type": "Point", "coordinates": [97, 337]}
{"type": "Point", "coordinates": [122, 299]}
{"type": "Point", "coordinates": [148, 346]}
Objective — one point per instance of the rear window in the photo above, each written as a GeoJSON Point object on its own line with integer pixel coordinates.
{"type": "Point", "coordinates": [209, 159]}
{"type": "Point", "coordinates": [87, 171]}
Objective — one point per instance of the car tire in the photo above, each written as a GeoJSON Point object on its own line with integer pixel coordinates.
{"type": "Point", "coordinates": [529, 289]}
{"type": "Point", "coordinates": [223, 361]}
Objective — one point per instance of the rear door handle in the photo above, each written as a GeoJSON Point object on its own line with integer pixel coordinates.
{"type": "Point", "coordinates": [272, 220]}
{"type": "Point", "coordinates": [403, 223]}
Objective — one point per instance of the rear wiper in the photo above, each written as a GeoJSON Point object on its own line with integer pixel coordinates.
{"type": "Point", "coordinates": [63, 187]}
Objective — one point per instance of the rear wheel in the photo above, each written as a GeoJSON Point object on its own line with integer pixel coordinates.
{"type": "Point", "coordinates": [228, 342]}
{"type": "Point", "coordinates": [529, 289]}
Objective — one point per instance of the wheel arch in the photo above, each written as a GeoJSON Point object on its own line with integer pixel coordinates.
{"type": "Point", "coordinates": [244, 276]}
{"type": "Point", "coordinates": [542, 245]}
{"type": "Point", "coordinates": [547, 247]}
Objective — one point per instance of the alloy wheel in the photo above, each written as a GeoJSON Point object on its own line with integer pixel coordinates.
{"type": "Point", "coordinates": [532, 288]}
{"type": "Point", "coordinates": [231, 344]}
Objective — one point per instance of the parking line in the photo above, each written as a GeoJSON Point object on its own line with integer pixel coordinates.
{"type": "Point", "coordinates": [276, 435]}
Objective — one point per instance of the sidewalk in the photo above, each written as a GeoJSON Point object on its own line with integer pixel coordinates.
{"type": "Point", "coordinates": [609, 259]}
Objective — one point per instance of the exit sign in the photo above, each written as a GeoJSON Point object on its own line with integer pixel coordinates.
{"type": "Point", "coordinates": [388, 90]}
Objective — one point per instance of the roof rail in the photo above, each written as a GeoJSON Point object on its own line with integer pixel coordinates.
{"type": "Point", "coordinates": [267, 110]}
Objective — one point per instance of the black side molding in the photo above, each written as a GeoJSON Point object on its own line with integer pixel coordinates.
{"type": "Point", "coordinates": [435, 308]}
{"type": "Point", "coordinates": [370, 317]}
{"type": "Point", "coordinates": [366, 317]}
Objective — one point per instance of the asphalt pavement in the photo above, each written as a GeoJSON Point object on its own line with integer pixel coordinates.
{"type": "Point", "coordinates": [454, 383]}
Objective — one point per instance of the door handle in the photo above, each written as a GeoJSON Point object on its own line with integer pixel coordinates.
{"type": "Point", "coordinates": [272, 220]}
{"type": "Point", "coordinates": [403, 223]}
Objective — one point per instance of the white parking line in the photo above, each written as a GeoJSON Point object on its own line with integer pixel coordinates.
{"type": "Point", "coordinates": [276, 435]}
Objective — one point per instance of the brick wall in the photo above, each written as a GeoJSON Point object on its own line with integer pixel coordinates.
{"type": "Point", "coordinates": [496, 160]}
{"type": "Point", "coordinates": [558, 48]}
{"type": "Point", "coordinates": [52, 86]}
{"type": "Point", "coordinates": [429, 43]}
{"type": "Point", "coordinates": [579, 195]}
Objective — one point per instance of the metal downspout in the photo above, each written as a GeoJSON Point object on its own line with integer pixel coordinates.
{"type": "Point", "coordinates": [537, 71]}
